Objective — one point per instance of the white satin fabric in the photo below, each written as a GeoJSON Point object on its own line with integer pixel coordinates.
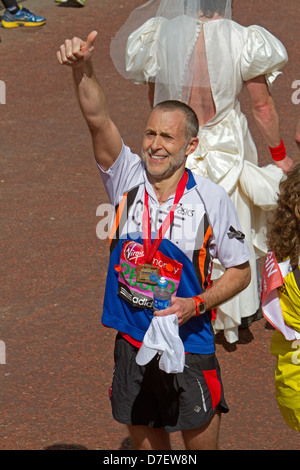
{"type": "Point", "coordinates": [226, 153]}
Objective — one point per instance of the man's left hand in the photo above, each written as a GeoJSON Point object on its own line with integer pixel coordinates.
{"type": "Point", "coordinates": [185, 309]}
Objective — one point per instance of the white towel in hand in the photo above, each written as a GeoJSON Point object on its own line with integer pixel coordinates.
{"type": "Point", "coordinates": [162, 337]}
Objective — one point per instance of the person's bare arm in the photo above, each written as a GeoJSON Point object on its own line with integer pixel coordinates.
{"type": "Point", "coordinates": [106, 138]}
{"type": "Point", "coordinates": [233, 281]}
{"type": "Point", "coordinates": [266, 117]}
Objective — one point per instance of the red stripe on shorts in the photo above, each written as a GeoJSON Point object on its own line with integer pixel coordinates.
{"type": "Point", "coordinates": [214, 386]}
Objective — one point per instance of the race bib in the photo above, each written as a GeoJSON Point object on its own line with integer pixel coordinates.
{"type": "Point", "coordinates": [140, 294]}
{"type": "Point", "coordinates": [271, 278]}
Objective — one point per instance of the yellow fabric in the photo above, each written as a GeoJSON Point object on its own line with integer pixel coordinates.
{"type": "Point", "coordinates": [287, 370]}
{"type": "Point", "coordinates": [287, 378]}
{"type": "Point", "coordinates": [289, 296]}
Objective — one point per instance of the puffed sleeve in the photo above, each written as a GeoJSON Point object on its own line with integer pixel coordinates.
{"type": "Point", "coordinates": [141, 51]}
{"type": "Point", "coordinates": [263, 54]}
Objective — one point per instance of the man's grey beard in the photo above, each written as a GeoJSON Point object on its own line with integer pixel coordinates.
{"type": "Point", "coordinates": [178, 159]}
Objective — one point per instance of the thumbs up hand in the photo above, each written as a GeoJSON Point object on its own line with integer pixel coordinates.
{"type": "Point", "coordinates": [75, 51]}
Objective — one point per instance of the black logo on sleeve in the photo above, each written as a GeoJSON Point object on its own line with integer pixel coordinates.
{"type": "Point", "coordinates": [236, 234]}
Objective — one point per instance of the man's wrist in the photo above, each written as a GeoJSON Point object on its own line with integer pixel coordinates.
{"type": "Point", "coordinates": [278, 153]}
{"type": "Point", "coordinates": [82, 68]}
{"type": "Point", "coordinates": [200, 305]}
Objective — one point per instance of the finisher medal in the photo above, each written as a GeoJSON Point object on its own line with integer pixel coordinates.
{"type": "Point", "coordinates": [147, 273]}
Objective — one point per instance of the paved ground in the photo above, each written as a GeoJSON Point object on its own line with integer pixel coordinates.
{"type": "Point", "coordinates": [58, 357]}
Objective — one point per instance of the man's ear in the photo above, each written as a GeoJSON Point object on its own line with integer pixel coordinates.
{"type": "Point", "coordinates": [192, 145]}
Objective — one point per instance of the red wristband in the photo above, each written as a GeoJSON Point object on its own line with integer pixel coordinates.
{"type": "Point", "coordinates": [278, 153]}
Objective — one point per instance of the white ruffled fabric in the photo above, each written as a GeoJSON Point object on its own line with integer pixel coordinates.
{"type": "Point", "coordinates": [226, 153]}
{"type": "Point", "coordinates": [141, 51]}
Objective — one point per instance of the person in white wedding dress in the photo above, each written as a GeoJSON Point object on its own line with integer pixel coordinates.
{"type": "Point", "coordinates": [192, 51]}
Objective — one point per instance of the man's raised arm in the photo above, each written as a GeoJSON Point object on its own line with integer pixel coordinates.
{"type": "Point", "coordinates": [106, 138]}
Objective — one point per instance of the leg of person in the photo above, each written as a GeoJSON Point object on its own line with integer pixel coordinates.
{"type": "Point", "coordinates": [15, 16]}
{"type": "Point", "coordinates": [204, 438]}
{"type": "Point", "coordinates": [201, 402]}
{"type": "Point", "coordinates": [10, 5]}
{"type": "Point", "coordinates": [133, 400]}
{"type": "Point", "coordinates": [147, 438]}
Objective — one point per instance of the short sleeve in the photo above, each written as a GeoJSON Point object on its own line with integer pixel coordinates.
{"type": "Point", "coordinates": [227, 243]}
{"type": "Point", "coordinates": [141, 51]}
{"type": "Point", "coordinates": [117, 180]}
{"type": "Point", "coordinates": [263, 54]}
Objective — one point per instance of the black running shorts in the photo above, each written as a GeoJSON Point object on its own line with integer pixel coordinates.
{"type": "Point", "coordinates": [146, 395]}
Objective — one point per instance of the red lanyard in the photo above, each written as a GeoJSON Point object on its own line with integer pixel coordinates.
{"type": "Point", "coordinates": [149, 251]}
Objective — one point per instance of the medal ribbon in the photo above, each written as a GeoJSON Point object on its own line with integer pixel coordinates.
{"type": "Point", "coordinates": [149, 251]}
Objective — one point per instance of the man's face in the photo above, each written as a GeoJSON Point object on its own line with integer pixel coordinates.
{"type": "Point", "coordinates": [164, 143]}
